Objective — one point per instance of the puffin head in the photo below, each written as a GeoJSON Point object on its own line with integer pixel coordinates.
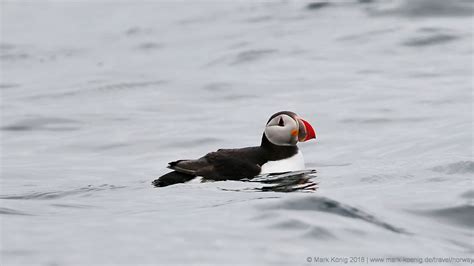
{"type": "Point", "coordinates": [287, 128]}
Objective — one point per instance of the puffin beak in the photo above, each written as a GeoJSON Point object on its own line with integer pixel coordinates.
{"type": "Point", "coordinates": [306, 131]}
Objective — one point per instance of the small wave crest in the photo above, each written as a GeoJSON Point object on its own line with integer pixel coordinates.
{"type": "Point", "coordinates": [326, 205]}
{"type": "Point", "coordinates": [429, 8]}
{"type": "Point", "coordinates": [461, 215]}
{"type": "Point", "coordinates": [9, 211]}
{"type": "Point", "coordinates": [462, 167]}
{"type": "Point", "coordinates": [58, 194]}
{"type": "Point", "coordinates": [43, 123]}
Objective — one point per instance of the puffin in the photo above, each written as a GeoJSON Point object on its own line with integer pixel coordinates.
{"type": "Point", "coordinates": [278, 153]}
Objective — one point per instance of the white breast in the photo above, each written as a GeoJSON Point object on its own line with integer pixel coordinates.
{"type": "Point", "coordinates": [294, 163]}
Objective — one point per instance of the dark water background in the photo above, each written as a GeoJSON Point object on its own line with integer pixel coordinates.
{"type": "Point", "coordinates": [96, 98]}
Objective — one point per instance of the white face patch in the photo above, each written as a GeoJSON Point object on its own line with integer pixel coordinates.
{"type": "Point", "coordinates": [294, 163]}
{"type": "Point", "coordinates": [279, 130]}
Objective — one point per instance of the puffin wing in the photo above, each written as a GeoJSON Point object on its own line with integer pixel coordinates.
{"type": "Point", "coordinates": [224, 164]}
{"type": "Point", "coordinates": [228, 165]}
{"type": "Point", "coordinates": [189, 167]}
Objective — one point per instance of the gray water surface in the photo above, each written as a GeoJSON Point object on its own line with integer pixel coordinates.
{"type": "Point", "coordinates": [96, 98]}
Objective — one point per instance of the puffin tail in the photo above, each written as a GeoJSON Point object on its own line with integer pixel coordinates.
{"type": "Point", "coordinates": [172, 178]}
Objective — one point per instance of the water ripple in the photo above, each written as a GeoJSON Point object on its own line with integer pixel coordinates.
{"type": "Point", "coordinates": [461, 215]}
{"type": "Point", "coordinates": [462, 167]}
{"type": "Point", "coordinates": [429, 8]}
{"type": "Point", "coordinates": [430, 39]}
{"type": "Point", "coordinates": [9, 211]}
{"type": "Point", "coordinates": [44, 123]}
{"type": "Point", "coordinates": [252, 55]}
{"type": "Point", "coordinates": [323, 204]}
{"type": "Point", "coordinates": [58, 194]}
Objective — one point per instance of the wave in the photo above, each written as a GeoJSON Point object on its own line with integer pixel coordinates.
{"type": "Point", "coordinates": [468, 194]}
{"type": "Point", "coordinates": [323, 204]}
{"type": "Point", "coordinates": [9, 211]}
{"type": "Point", "coordinates": [58, 194]}
{"type": "Point", "coordinates": [461, 215]}
{"type": "Point", "coordinates": [105, 88]}
{"type": "Point", "coordinates": [383, 120]}
{"type": "Point", "coordinates": [43, 123]}
{"type": "Point", "coordinates": [462, 167]}
{"type": "Point", "coordinates": [431, 36]}
{"type": "Point", "coordinates": [9, 85]}
{"type": "Point", "coordinates": [428, 8]}
{"type": "Point", "coordinates": [252, 55]}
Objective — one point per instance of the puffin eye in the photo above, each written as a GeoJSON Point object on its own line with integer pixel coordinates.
{"type": "Point", "coordinates": [281, 123]}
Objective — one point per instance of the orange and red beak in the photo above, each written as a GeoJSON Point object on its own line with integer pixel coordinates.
{"type": "Point", "coordinates": [306, 131]}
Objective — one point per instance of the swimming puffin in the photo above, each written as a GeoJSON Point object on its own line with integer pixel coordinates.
{"type": "Point", "coordinates": [277, 153]}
